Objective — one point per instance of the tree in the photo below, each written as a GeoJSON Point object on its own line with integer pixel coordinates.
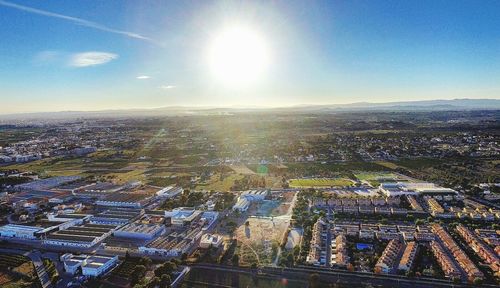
{"type": "Point", "coordinates": [166, 268]}
{"type": "Point", "coordinates": [477, 281]}
{"type": "Point", "coordinates": [419, 222]}
{"type": "Point", "coordinates": [165, 281]}
{"type": "Point", "coordinates": [137, 274]}
{"type": "Point", "coordinates": [314, 280]}
{"type": "Point", "coordinates": [155, 281]}
{"type": "Point", "coordinates": [140, 269]}
{"type": "Point", "coordinates": [146, 261]}
{"type": "Point", "coordinates": [170, 266]}
{"type": "Point", "coordinates": [235, 260]}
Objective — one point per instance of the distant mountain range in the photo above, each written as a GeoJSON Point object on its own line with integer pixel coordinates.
{"type": "Point", "coordinates": [427, 105]}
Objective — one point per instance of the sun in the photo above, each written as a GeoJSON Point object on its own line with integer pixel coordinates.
{"type": "Point", "coordinates": [238, 56]}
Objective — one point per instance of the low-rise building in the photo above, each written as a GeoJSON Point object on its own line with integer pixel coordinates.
{"type": "Point", "coordinates": [84, 236]}
{"type": "Point", "coordinates": [449, 268]}
{"type": "Point", "coordinates": [139, 231]}
{"type": "Point", "coordinates": [462, 259]}
{"type": "Point", "coordinates": [19, 231]}
{"type": "Point", "coordinates": [434, 206]}
{"type": "Point", "coordinates": [91, 266]}
{"type": "Point", "coordinates": [210, 240]}
{"type": "Point", "coordinates": [247, 198]}
{"type": "Point", "coordinates": [386, 261]}
{"type": "Point", "coordinates": [408, 256]}
{"type": "Point", "coordinates": [339, 256]}
{"type": "Point", "coordinates": [480, 248]}
{"type": "Point", "coordinates": [183, 216]}
{"type": "Point", "coordinates": [173, 244]}
{"type": "Point", "coordinates": [169, 192]}
{"type": "Point", "coordinates": [317, 250]}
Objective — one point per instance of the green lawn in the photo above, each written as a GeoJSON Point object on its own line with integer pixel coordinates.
{"type": "Point", "coordinates": [371, 176]}
{"type": "Point", "coordinates": [320, 182]}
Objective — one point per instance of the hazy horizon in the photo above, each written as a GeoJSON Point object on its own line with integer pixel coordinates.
{"type": "Point", "coordinates": [423, 105]}
{"type": "Point", "coordinates": [114, 55]}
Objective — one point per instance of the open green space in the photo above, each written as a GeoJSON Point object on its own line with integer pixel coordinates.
{"type": "Point", "coordinates": [320, 182]}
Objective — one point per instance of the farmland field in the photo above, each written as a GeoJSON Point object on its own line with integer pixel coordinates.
{"type": "Point", "coordinates": [320, 182]}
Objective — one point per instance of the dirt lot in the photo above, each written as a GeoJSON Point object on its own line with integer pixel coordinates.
{"type": "Point", "coordinates": [242, 169]}
{"type": "Point", "coordinates": [258, 241]}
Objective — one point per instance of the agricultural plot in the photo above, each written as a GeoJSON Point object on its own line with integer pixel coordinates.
{"type": "Point", "coordinates": [320, 182]}
{"type": "Point", "coordinates": [242, 169]}
{"type": "Point", "coordinates": [218, 184]}
{"type": "Point", "coordinates": [18, 264]}
{"type": "Point", "coordinates": [4, 278]}
{"type": "Point", "coordinates": [12, 260]}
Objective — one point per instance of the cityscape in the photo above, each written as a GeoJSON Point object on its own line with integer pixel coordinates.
{"type": "Point", "coordinates": [300, 144]}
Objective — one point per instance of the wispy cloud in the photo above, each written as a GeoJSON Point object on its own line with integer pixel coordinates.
{"type": "Point", "coordinates": [86, 59]}
{"type": "Point", "coordinates": [142, 77]}
{"type": "Point", "coordinates": [45, 57]}
{"type": "Point", "coordinates": [167, 87]}
{"type": "Point", "coordinates": [76, 20]}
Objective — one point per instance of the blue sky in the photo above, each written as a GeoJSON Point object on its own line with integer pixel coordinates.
{"type": "Point", "coordinates": [88, 55]}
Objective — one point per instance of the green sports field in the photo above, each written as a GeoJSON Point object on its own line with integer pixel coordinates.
{"type": "Point", "coordinates": [320, 182]}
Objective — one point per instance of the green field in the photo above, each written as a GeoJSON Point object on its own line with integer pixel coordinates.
{"type": "Point", "coordinates": [375, 178]}
{"type": "Point", "coordinates": [218, 184]}
{"type": "Point", "coordinates": [320, 182]}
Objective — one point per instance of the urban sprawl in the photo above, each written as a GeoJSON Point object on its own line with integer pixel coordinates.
{"type": "Point", "coordinates": [406, 199]}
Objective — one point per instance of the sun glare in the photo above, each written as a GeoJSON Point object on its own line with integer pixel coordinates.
{"type": "Point", "coordinates": [238, 56]}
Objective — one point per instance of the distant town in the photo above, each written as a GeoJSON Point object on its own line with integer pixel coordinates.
{"type": "Point", "coordinates": [252, 199]}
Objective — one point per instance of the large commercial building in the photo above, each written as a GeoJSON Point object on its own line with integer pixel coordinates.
{"type": "Point", "coordinates": [140, 231]}
{"type": "Point", "coordinates": [210, 240]}
{"type": "Point", "coordinates": [45, 184]}
{"type": "Point", "coordinates": [116, 216]}
{"type": "Point", "coordinates": [248, 197]}
{"type": "Point", "coordinates": [85, 236]}
{"type": "Point", "coordinates": [183, 216]}
{"type": "Point", "coordinates": [169, 192]}
{"type": "Point", "coordinates": [413, 188]}
{"type": "Point", "coordinates": [79, 218]}
{"type": "Point", "coordinates": [173, 244]}
{"type": "Point", "coordinates": [91, 266]}
{"type": "Point", "coordinates": [125, 199]}
{"type": "Point", "coordinates": [95, 190]}
{"type": "Point", "coordinates": [20, 231]}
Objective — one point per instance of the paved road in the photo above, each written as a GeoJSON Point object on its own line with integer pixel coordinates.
{"type": "Point", "coordinates": [484, 202]}
{"type": "Point", "coordinates": [64, 278]}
